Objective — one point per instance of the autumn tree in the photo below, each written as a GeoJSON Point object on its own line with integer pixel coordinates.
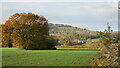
{"type": "Point", "coordinates": [27, 31]}
{"type": "Point", "coordinates": [6, 34]}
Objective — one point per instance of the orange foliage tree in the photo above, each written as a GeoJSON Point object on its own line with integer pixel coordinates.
{"type": "Point", "coordinates": [27, 31]}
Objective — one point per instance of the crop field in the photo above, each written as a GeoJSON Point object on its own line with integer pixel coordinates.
{"type": "Point", "coordinates": [59, 57]}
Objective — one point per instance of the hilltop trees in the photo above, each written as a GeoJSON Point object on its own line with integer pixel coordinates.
{"type": "Point", "coordinates": [27, 31]}
{"type": "Point", "coordinates": [106, 36]}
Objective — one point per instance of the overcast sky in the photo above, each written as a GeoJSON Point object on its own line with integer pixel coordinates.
{"type": "Point", "coordinates": [90, 15]}
{"type": "Point", "coordinates": [60, 0]}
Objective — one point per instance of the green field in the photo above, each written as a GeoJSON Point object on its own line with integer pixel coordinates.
{"type": "Point", "coordinates": [60, 57]}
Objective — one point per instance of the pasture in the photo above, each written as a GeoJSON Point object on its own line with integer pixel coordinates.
{"type": "Point", "coordinates": [59, 57]}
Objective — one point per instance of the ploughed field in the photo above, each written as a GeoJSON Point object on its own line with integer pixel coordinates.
{"type": "Point", "coordinates": [59, 57]}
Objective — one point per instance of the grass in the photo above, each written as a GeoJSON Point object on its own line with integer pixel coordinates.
{"type": "Point", "coordinates": [60, 57]}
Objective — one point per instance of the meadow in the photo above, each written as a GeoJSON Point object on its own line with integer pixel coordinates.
{"type": "Point", "coordinates": [59, 57]}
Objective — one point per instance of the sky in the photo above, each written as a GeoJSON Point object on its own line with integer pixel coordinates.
{"type": "Point", "coordinates": [60, 0]}
{"type": "Point", "coordinates": [90, 15]}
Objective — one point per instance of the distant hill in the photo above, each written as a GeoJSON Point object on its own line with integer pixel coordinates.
{"type": "Point", "coordinates": [58, 28]}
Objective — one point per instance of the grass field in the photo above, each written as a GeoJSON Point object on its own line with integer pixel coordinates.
{"type": "Point", "coordinates": [60, 57]}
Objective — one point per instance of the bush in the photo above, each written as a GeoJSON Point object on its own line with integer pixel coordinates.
{"type": "Point", "coordinates": [108, 57]}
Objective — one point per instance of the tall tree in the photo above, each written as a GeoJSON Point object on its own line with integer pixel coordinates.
{"type": "Point", "coordinates": [28, 31]}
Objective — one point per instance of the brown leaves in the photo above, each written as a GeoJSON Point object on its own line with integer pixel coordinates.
{"type": "Point", "coordinates": [27, 31]}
